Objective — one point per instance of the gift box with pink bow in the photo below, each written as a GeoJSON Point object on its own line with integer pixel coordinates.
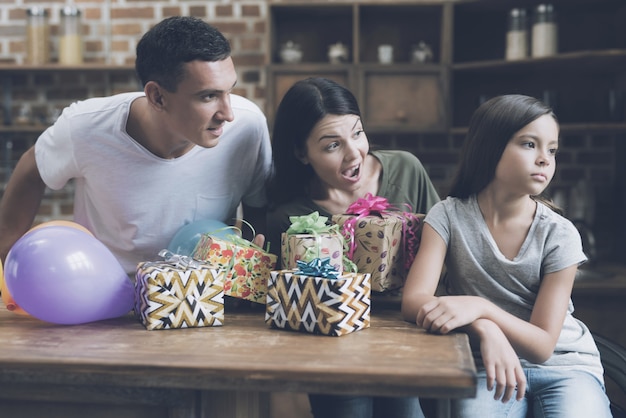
{"type": "Point", "coordinates": [381, 240]}
{"type": "Point", "coordinates": [247, 265]}
{"type": "Point", "coordinates": [310, 237]}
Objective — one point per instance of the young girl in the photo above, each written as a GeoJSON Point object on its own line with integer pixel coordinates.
{"type": "Point", "coordinates": [511, 262]}
{"type": "Point", "coordinates": [323, 163]}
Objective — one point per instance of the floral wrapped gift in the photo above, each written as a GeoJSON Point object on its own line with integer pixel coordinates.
{"type": "Point", "coordinates": [381, 240]}
{"type": "Point", "coordinates": [310, 237]}
{"type": "Point", "coordinates": [318, 300]}
{"type": "Point", "coordinates": [179, 292]}
{"type": "Point", "coordinates": [247, 266]}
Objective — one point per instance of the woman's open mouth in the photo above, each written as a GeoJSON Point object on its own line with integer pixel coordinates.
{"type": "Point", "coordinates": [352, 173]}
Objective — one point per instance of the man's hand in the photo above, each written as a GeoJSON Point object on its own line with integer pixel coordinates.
{"type": "Point", "coordinates": [259, 240]}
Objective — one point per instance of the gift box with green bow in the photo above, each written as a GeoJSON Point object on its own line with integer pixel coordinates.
{"type": "Point", "coordinates": [317, 299]}
{"type": "Point", "coordinates": [310, 237]}
{"type": "Point", "coordinates": [247, 265]}
{"type": "Point", "coordinates": [380, 240]}
{"type": "Point", "coordinates": [179, 292]}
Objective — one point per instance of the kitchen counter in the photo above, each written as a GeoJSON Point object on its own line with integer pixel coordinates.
{"type": "Point", "coordinates": [602, 279]}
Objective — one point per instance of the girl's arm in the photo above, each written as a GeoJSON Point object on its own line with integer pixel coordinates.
{"type": "Point", "coordinates": [533, 340]}
{"type": "Point", "coordinates": [504, 371]}
{"type": "Point", "coordinates": [423, 277]}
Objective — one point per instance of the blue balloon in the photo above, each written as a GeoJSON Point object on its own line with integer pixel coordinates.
{"type": "Point", "coordinates": [187, 237]}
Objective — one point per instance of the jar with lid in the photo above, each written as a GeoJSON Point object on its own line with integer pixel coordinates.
{"type": "Point", "coordinates": [70, 41]}
{"type": "Point", "coordinates": [544, 32]}
{"type": "Point", "coordinates": [37, 36]}
{"type": "Point", "coordinates": [517, 35]}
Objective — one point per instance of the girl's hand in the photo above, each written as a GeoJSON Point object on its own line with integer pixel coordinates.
{"type": "Point", "coordinates": [447, 313]}
{"type": "Point", "coordinates": [501, 362]}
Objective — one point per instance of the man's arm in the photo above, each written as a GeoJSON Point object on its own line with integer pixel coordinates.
{"type": "Point", "coordinates": [20, 201]}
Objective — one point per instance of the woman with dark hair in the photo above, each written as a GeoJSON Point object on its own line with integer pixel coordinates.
{"type": "Point", "coordinates": [510, 268]}
{"type": "Point", "coordinates": [322, 162]}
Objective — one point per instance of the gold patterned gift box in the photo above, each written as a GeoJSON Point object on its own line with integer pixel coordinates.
{"type": "Point", "coordinates": [175, 294]}
{"type": "Point", "coordinates": [383, 241]}
{"type": "Point", "coordinates": [318, 305]}
{"type": "Point", "coordinates": [247, 267]}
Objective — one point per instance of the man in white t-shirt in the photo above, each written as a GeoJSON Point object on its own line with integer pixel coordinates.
{"type": "Point", "coordinates": [147, 163]}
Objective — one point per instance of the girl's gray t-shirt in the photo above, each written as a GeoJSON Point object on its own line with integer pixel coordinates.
{"type": "Point", "coordinates": [476, 266]}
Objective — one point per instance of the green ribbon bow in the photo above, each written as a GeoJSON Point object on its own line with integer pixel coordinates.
{"type": "Point", "coordinates": [312, 223]}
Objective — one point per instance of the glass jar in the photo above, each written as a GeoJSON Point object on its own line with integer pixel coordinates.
{"type": "Point", "coordinates": [517, 35]}
{"type": "Point", "coordinates": [70, 41]}
{"type": "Point", "coordinates": [544, 33]}
{"type": "Point", "coordinates": [37, 36]}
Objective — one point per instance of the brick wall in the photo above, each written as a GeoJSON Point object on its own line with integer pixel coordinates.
{"type": "Point", "coordinates": [112, 29]}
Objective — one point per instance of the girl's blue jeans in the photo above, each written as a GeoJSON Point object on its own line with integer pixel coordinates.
{"type": "Point", "coordinates": [549, 394]}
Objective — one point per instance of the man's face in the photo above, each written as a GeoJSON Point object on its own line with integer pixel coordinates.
{"type": "Point", "coordinates": [200, 107]}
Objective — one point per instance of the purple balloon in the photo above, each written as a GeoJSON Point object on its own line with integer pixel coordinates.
{"type": "Point", "coordinates": [61, 275]}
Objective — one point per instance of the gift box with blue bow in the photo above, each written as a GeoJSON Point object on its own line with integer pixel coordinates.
{"type": "Point", "coordinates": [317, 299]}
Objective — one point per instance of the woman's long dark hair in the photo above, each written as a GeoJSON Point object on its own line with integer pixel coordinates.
{"type": "Point", "coordinates": [302, 107]}
{"type": "Point", "coordinates": [491, 128]}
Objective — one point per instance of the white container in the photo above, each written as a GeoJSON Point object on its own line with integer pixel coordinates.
{"type": "Point", "coordinates": [517, 35]}
{"type": "Point", "coordinates": [71, 40]}
{"type": "Point", "coordinates": [37, 36]}
{"type": "Point", "coordinates": [544, 32]}
{"type": "Point", "coordinates": [385, 54]}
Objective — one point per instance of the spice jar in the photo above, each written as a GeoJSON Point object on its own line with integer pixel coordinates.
{"type": "Point", "coordinates": [544, 33]}
{"type": "Point", "coordinates": [70, 42]}
{"type": "Point", "coordinates": [37, 36]}
{"type": "Point", "coordinates": [517, 35]}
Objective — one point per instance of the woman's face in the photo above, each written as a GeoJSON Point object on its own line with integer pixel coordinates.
{"type": "Point", "coordinates": [336, 150]}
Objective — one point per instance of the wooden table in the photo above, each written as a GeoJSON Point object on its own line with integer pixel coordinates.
{"type": "Point", "coordinates": [222, 371]}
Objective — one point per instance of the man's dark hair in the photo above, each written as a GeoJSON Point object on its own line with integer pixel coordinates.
{"type": "Point", "coordinates": [164, 49]}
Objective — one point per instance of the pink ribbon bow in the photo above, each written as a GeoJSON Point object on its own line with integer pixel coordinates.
{"type": "Point", "coordinates": [376, 205]}
{"type": "Point", "coordinates": [369, 205]}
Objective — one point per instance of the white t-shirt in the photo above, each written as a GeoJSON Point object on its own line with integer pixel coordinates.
{"type": "Point", "coordinates": [476, 266]}
{"type": "Point", "coordinates": [133, 201]}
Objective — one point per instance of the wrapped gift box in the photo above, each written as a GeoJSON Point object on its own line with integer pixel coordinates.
{"type": "Point", "coordinates": [247, 268]}
{"type": "Point", "coordinates": [381, 247]}
{"type": "Point", "coordinates": [171, 295]}
{"type": "Point", "coordinates": [306, 247]}
{"type": "Point", "coordinates": [318, 305]}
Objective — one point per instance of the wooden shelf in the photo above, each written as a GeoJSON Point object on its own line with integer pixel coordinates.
{"type": "Point", "coordinates": [571, 128]}
{"type": "Point", "coordinates": [12, 68]}
{"type": "Point", "coordinates": [23, 128]}
{"type": "Point", "coordinates": [583, 61]}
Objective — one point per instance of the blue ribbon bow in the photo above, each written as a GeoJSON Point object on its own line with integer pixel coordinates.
{"type": "Point", "coordinates": [318, 267]}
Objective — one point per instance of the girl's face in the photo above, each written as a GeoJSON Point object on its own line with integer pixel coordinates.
{"type": "Point", "coordinates": [528, 162]}
{"type": "Point", "coordinates": [336, 150]}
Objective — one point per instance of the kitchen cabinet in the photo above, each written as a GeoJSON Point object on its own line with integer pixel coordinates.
{"type": "Point", "coordinates": [579, 81]}
{"type": "Point", "coordinates": [468, 41]}
{"type": "Point", "coordinates": [401, 96]}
